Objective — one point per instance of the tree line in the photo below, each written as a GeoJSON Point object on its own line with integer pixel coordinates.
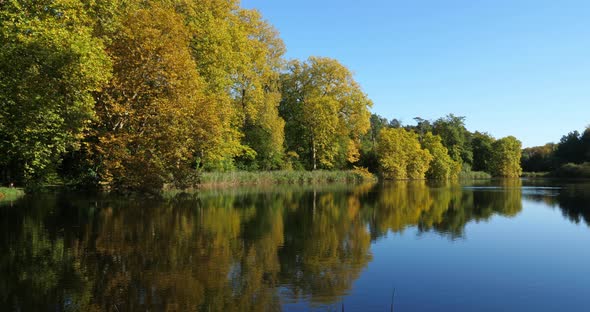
{"type": "Point", "coordinates": [137, 94]}
{"type": "Point", "coordinates": [439, 149]}
{"type": "Point", "coordinates": [569, 157]}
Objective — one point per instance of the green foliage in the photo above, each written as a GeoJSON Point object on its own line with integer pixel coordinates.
{"type": "Point", "coordinates": [51, 65]}
{"type": "Point", "coordinates": [325, 112]}
{"type": "Point", "coordinates": [377, 123]}
{"type": "Point", "coordinates": [474, 175]}
{"type": "Point", "coordinates": [442, 167]}
{"type": "Point", "coordinates": [400, 154]}
{"type": "Point", "coordinates": [239, 57]}
{"type": "Point", "coordinates": [564, 159]}
{"type": "Point", "coordinates": [572, 171]}
{"type": "Point", "coordinates": [506, 155]}
{"type": "Point", "coordinates": [538, 158]}
{"type": "Point", "coordinates": [481, 144]}
{"type": "Point", "coordinates": [218, 179]}
{"type": "Point", "coordinates": [456, 138]}
{"type": "Point", "coordinates": [574, 148]}
{"type": "Point", "coordinates": [256, 89]}
{"type": "Point", "coordinates": [422, 127]}
{"type": "Point", "coordinates": [368, 156]}
{"type": "Point", "coordinates": [136, 95]}
{"type": "Point", "coordinates": [139, 93]}
{"type": "Point", "coordinates": [154, 119]}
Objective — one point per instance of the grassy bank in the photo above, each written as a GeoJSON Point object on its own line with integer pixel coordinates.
{"type": "Point", "coordinates": [533, 175]}
{"type": "Point", "coordinates": [224, 179]}
{"type": "Point", "coordinates": [10, 194]}
{"type": "Point", "coordinates": [474, 175]}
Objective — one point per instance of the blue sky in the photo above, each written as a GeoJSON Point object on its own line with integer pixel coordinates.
{"type": "Point", "coordinates": [511, 67]}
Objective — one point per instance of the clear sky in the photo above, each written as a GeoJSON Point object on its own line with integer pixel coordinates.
{"type": "Point", "coordinates": [512, 67]}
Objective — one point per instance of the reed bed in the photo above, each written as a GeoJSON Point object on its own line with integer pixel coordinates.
{"type": "Point", "coordinates": [284, 177]}
{"type": "Point", "coordinates": [474, 175]}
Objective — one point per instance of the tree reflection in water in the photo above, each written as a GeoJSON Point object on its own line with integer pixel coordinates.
{"type": "Point", "coordinates": [224, 251]}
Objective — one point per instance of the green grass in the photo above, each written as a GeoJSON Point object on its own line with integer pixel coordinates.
{"type": "Point", "coordinates": [10, 194]}
{"type": "Point", "coordinates": [220, 179]}
{"type": "Point", "coordinates": [474, 175]}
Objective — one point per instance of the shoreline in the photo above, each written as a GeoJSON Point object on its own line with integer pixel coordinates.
{"type": "Point", "coordinates": [221, 180]}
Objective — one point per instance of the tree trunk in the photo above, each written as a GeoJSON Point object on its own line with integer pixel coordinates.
{"type": "Point", "coordinates": [313, 153]}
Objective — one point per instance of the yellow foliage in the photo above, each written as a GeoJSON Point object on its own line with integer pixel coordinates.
{"type": "Point", "coordinates": [400, 154]}
{"type": "Point", "coordinates": [154, 118]}
{"type": "Point", "coordinates": [442, 167]}
{"type": "Point", "coordinates": [325, 111]}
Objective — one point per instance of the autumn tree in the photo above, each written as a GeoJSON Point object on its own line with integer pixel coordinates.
{"type": "Point", "coordinates": [442, 166]}
{"type": "Point", "coordinates": [506, 155]}
{"type": "Point", "coordinates": [155, 121]}
{"type": "Point", "coordinates": [50, 66]}
{"type": "Point", "coordinates": [239, 57]}
{"type": "Point", "coordinates": [325, 112]}
{"type": "Point", "coordinates": [256, 90]}
{"type": "Point", "coordinates": [400, 154]}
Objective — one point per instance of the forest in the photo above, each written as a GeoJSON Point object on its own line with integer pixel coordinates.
{"type": "Point", "coordinates": [569, 158]}
{"type": "Point", "coordinates": [135, 95]}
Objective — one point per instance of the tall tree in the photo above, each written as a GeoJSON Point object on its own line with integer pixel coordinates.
{"type": "Point", "coordinates": [570, 149]}
{"type": "Point", "coordinates": [256, 90]}
{"type": "Point", "coordinates": [586, 144]}
{"type": "Point", "coordinates": [400, 154]}
{"type": "Point", "coordinates": [455, 137]}
{"type": "Point", "coordinates": [49, 66]}
{"type": "Point", "coordinates": [481, 144]}
{"type": "Point", "coordinates": [155, 122]}
{"type": "Point", "coordinates": [506, 155]}
{"type": "Point", "coordinates": [395, 123]}
{"type": "Point", "coordinates": [325, 111]}
{"type": "Point", "coordinates": [239, 57]}
{"type": "Point", "coordinates": [422, 126]}
{"type": "Point", "coordinates": [538, 158]}
{"type": "Point", "coordinates": [442, 166]}
{"type": "Point", "coordinates": [377, 123]}
{"type": "Point", "coordinates": [216, 31]}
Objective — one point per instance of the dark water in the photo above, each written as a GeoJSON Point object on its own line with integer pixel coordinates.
{"type": "Point", "coordinates": [501, 246]}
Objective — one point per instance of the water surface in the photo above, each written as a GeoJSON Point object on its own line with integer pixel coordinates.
{"type": "Point", "coordinates": [494, 246]}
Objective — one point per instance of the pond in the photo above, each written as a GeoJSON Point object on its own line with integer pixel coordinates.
{"type": "Point", "coordinates": [505, 245]}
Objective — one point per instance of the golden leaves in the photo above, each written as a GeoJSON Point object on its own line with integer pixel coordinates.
{"type": "Point", "coordinates": [400, 154]}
